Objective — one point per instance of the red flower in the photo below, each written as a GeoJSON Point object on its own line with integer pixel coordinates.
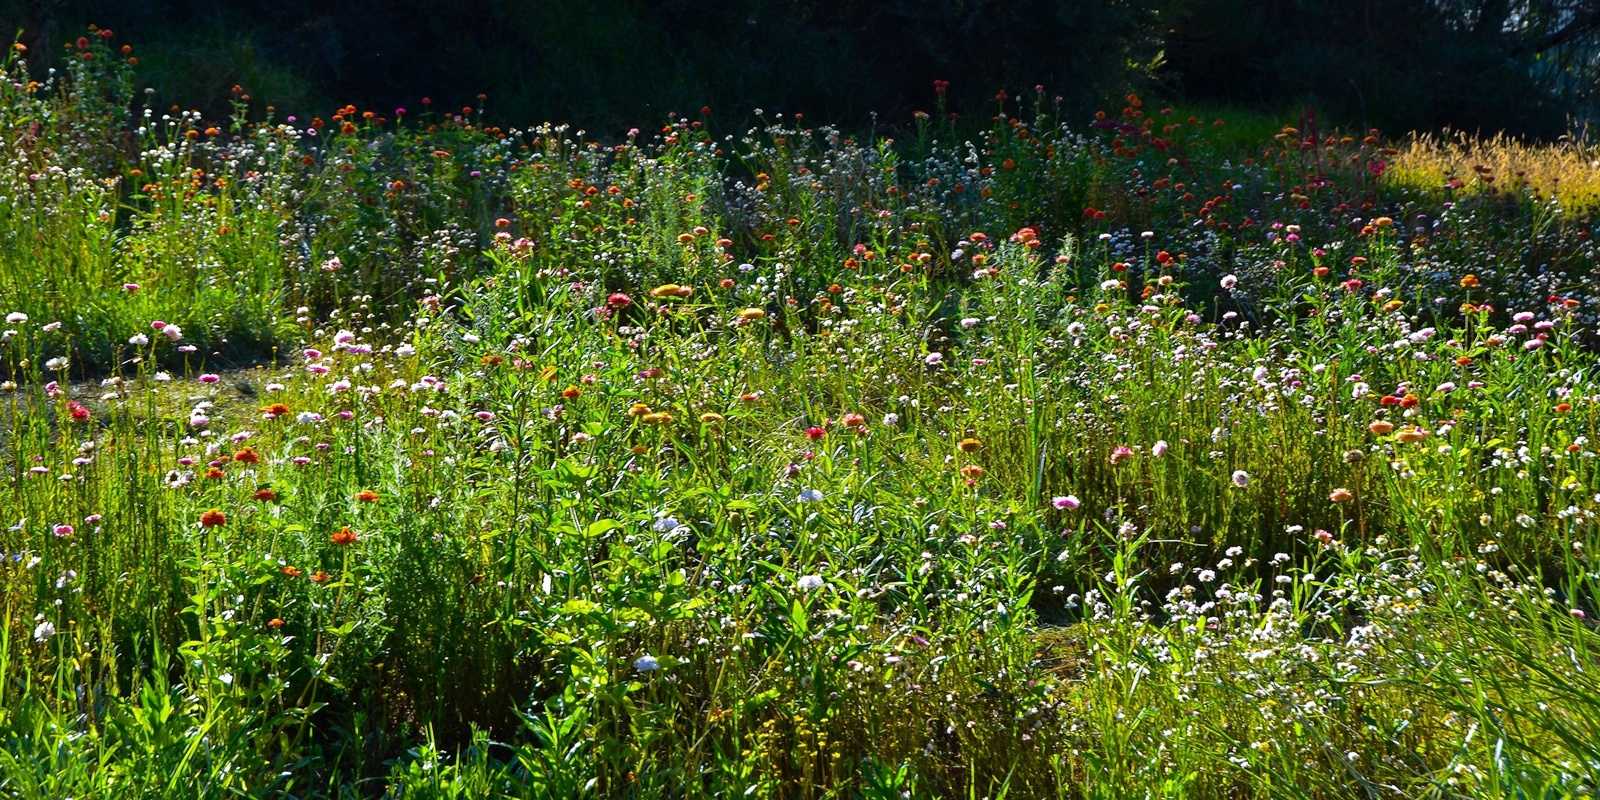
{"type": "Point", "coordinates": [814, 433]}
{"type": "Point", "coordinates": [213, 518]}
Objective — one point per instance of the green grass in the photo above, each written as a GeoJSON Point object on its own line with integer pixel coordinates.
{"type": "Point", "coordinates": [783, 465]}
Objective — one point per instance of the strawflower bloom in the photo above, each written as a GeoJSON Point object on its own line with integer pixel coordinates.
{"type": "Point", "coordinates": [213, 518]}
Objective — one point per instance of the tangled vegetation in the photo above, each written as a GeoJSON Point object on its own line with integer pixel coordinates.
{"type": "Point", "coordinates": [395, 454]}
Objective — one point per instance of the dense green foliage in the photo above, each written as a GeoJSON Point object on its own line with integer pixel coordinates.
{"type": "Point", "coordinates": [1476, 65]}
{"type": "Point", "coordinates": [1085, 458]}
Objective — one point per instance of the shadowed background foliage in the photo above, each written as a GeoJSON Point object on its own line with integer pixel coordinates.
{"type": "Point", "coordinates": [1527, 66]}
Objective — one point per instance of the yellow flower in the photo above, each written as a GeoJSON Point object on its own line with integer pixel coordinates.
{"type": "Point", "coordinates": [711, 418]}
{"type": "Point", "coordinates": [969, 445]}
{"type": "Point", "coordinates": [656, 418]}
{"type": "Point", "coordinates": [752, 313]}
{"type": "Point", "coordinates": [638, 410]}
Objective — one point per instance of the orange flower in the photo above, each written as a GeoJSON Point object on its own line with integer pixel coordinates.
{"type": "Point", "coordinates": [1381, 426]}
{"type": "Point", "coordinates": [274, 623]}
{"type": "Point", "coordinates": [213, 518]}
{"type": "Point", "coordinates": [1562, 408]}
{"type": "Point", "coordinates": [344, 536]}
{"type": "Point", "coordinates": [291, 571]}
{"type": "Point", "coordinates": [1469, 282]}
{"type": "Point", "coordinates": [276, 410]}
{"type": "Point", "coordinates": [265, 495]}
{"type": "Point", "coordinates": [1411, 435]}
{"type": "Point", "coordinates": [247, 456]}
{"type": "Point", "coordinates": [969, 445]}
{"type": "Point", "coordinates": [367, 496]}
{"type": "Point", "coordinates": [711, 418]}
{"type": "Point", "coordinates": [320, 577]}
{"type": "Point", "coordinates": [638, 449]}
{"type": "Point", "coordinates": [571, 393]}
{"type": "Point", "coordinates": [214, 473]}
{"type": "Point", "coordinates": [971, 471]}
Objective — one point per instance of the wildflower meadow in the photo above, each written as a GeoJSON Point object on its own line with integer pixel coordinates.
{"type": "Point", "coordinates": [391, 453]}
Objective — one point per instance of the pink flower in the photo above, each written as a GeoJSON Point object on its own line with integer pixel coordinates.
{"type": "Point", "coordinates": [1159, 449]}
{"type": "Point", "coordinates": [1121, 454]}
{"type": "Point", "coordinates": [62, 531]}
{"type": "Point", "coordinates": [209, 378]}
{"type": "Point", "coordinates": [130, 287]}
{"type": "Point", "coordinates": [1065, 502]}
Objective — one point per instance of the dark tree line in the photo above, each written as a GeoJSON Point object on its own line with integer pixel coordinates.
{"type": "Point", "coordinates": [1523, 65]}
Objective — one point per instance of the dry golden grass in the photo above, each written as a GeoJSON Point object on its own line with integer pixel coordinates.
{"type": "Point", "coordinates": [1567, 169]}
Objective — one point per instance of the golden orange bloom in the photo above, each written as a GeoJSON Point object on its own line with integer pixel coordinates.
{"type": "Point", "coordinates": [969, 445]}
{"type": "Point", "coordinates": [1562, 408]}
{"type": "Point", "coordinates": [749, 398]}
{"type": "Point", "coordinates": [344, 536]}
{"type": "Point", "coordinates": [1383, 222]}
{"type": "Point", "coordinates": [638, 410]}
{"type": "Point", "coordinates": [1381, 426]}
{"type": "Point", "coordinates": [213, 518]}
{"type": "Point", "coordinates": [548, 373]}
{"type": "Point", "coordinates": [1463, 361]}
{"type": "Point", "coordinates": [265, 495]}
{"type": "Point", "coordinates": [1411, 434]}
{"type": "Point", "coordinates": [291, 571]}
{"type": "Point", "coordinates": [275, 623]}
{"type": "Point", "coordinates": [711, 417]}
{"type": "Point", "coordinates": [665, 290]}
{"type": "Point", "coordinates": [752, 313]}
{"type": "Point", "coordinates": [214, 473]}
{"type": "Point", "coordinates": [1469, 282]}
{"type": "Point", "coordinates": [638, 449]}
{"type": "Point", "coordinates": [656, 418]}
{"type": "Point", "coordinates": [367, 496]}
{"type": "Point", "coordinates": [320, 577]}
{"type": "Point", "coordinates": [571, 393]}
{"type": "Point", "coordinates": [247, 455]}
{"type": "Point", "coordinates": [277, 410]}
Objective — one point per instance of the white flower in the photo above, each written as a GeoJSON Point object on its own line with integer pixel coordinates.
{"type": "Point", "coordinates": [1159, 448]}
{"type": "Point", "coordinates": [646, 663]}
{"type": "Point", "coordinates": [1207, 576]}
{"type": "Point", "coordinates": [138, 340]}
{"type": "Point", "coordinates": [43, 631]}
{"type": "Point", "coordinates": [808, 582]}
{"type": "Point", "coordinates": [405, 351]}
{"type": "Point", "coordinates": [1241, 478]}
{"type": "Point", "coordinates": [16, 318]}
{"type": "Point", "coordinates": [810, 496]}
{"type": "Point", "coordinates": [59, 362]}
{"type": "Point", "coordinates": [172, 332]}
{"type": "Point", "coordinates": [891, 420]}
{"type": "Point", "coordinates": [934, 358]}
{"type": "Point", "coordinates": [1230, 281]}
